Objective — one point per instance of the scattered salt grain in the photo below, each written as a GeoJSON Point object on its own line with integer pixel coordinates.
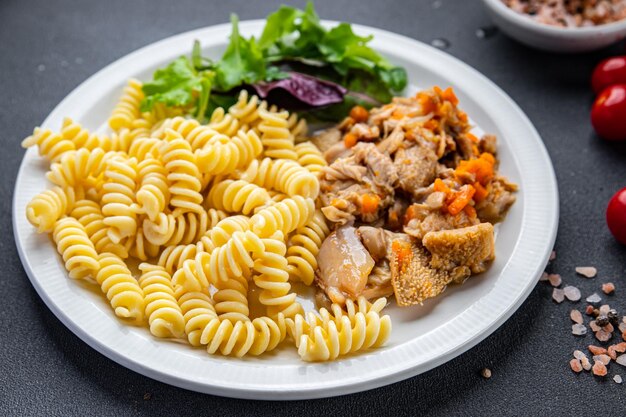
{"type": "Point", "coordinates": [622, 327]}
{"type": "Point", "coordinates": [579, 329]}
{"type": "Point", "coordinates": [599, 369]}
{"type": "Point", "coordinates": [621, 360]}
{"type": "Point", "coordinates": [558, 295]}
{"type": "Point", "coordinates": [594, 298]}
{"type": "Point", "coordinates": [617, 379]}
{"type": "Point", "coordinates": [586, 363]}
{"type": "Point", "coordinates": [594, 327]}
{"type": "Point", "coordinates": [586, 271]}
{"type": "Point", "coordinates": [576, 316]}
{"type": "Point", "coordinates": [543, 277]}
{"type": "Point", "coordinates": [608, 328]}
{"type": "Point", "coordinates": [605, 359]}
{"type": "Point", "coordinates": [589, 310]}
{"type": "Point", "coordinates": [486, 373]}
{"type": "Point", "coordinates": [608, 288]}
{"type": "Point", "coordinates": [572, 293]}
{"type": "Point", "coordinates": [613, 350]}
{"type": "Point", "coordinates": [555, 280]}
{"type": "Point", "coordinates": [578, 354]}
{"type": "Point", "coordinates": [552, 255]}
{"type": "Point", "coordinates": [604, 309]}
{"type": "Point", "coordinates": [576, 365]}
{"type": "Point", "coordinates": [603, 335]}
{"type": "Point", "coordinates": [596, 350]}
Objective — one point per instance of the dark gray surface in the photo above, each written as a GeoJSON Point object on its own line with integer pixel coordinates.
{"type": "Point", "coordinates": [49, 47]}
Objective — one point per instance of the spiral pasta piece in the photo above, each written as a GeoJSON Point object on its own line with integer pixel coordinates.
{"type": "Point", "coordinates": [118, 198]}
{"type": "Point", "coordinates": [80, 168]}
{"type": "Point", "coordinates": [275, 135]}
{"type": "Point", "coordinates": [325, 337]}
{"type": "Point", "coordinates": [303, 248]}
{"type": "Point", "coordinates": [183, 174]}
{"type": "Point", "coordinates": [270, 274]}
{"type": "Point", "coordinates": [247, 109]}
{"type": "Point", "coordinates": [120, 287]}
{"type": "Point", "coordinates": [139, 247]}
{"type": "Point", "coordinates": [282, 175]}
{"type": "Point", "coordinates": [153, 194]}
{"type": "Point", "coordinates": [51, 145]}
{"type": "Point", "coordinates": [223, 155]}
{"type": "Point", "coordinates": [49, 206]}
{"type": "Point", "coordinates": [143, 148]}
{"type": "Point", "coordinates": [73, 244]}
{"type": "Point", "coordinates": [82, 138]}
{"type": "Point", "coordinates": [223, 122]}
{"type": "Point", "coordinates": [237, 196]}
{"type": "Point", "coordinates": [164, 315]}
{"type": "Point", "coordinates": [286, 216]}
{"type": "Point", "coordinates": [169, 230]}
{"type": "Point", "coordinates": [89, 214]}
{"type": "Point", "coordinates": [298, 128]}
{"type": "Point", "coordinates": [198, 312]}
{"type": "Point", "coordinates": [310, 157]}
{"type": "Point", "coordinates": [127, 109]}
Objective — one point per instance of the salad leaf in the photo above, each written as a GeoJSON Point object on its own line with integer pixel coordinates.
{"type": "Point", "coordinates": [177, 85]}
{"type": "Point", "coordinates": [242, 62]}
{"type": "Point", "coordinates": [309, 90]}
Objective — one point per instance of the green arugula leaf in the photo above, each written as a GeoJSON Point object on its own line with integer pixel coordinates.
{"type": "Point", "coordinates": [241, 63]}
{"type": "Point", "coordinates": [175, 85]}
{"type": "Point", "coordinates": [279, 24]}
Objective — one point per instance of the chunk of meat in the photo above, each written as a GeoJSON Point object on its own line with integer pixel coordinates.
{"type": "Point", "coordinates": [488, 143]}
{"type": "Point", "coordinates": [326, 138]}
{"type": "Point", "coordinates": [344, 265]}
{"type": "Point", "coordinates": [430, 219]}
{"type": "Point", "coordinates": [379, 282]}
{"type": "Point", "coordinates": [461, 251]}
{"type": "Point", "coordinates": [365, 132]}
{"type": "Point", "coordinates": [338, 150]}
{"type": "Point", "coordinates": [374, 241]}
{"type": "Point", "coordinates": [380, 166]}
{"type": "Point", "coordinates": [395, 215]}
{"type": "Point", "coordinates": [392, 142]}
{"type": "Point", "coordinates": [416, 168]}
{"type": "Point", "coordinates": [494, 207]}
{"type": "Point", "coordinates": [412, 277]}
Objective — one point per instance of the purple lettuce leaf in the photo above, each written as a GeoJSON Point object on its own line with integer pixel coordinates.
{"type": "Point", "coordinates": [309, 90]}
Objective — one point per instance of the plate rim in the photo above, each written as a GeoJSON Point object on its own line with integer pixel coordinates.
{"type": "Point", "coordinates": [330, 387]}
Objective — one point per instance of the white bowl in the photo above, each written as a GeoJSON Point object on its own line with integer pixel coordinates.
{"type": "Point", "coordinates": [552, 38]}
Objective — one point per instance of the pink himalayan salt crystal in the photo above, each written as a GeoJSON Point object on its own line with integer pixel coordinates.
{"type": "Point", "coordinates": [603, 335]}
{"type": "Point", "coordinates": [571, 293]}
{"type": "Point", "coordinates": [579, 329]}
{"type": "Point", "coordinates": [543, 277]}
{"type": "Point", "coordinates": [586, 363]}
{"type": "Point", "coordinates": [596, 350]}
{"type": "Point", "coordinates": [555, 280]}
{"type": "Point", "coordinates": [599, 369]}
{"type": "Point", "coordinates": [576, 316]}
{"type": "Point", "coordinates": [605, 359]}
{"type": "Point", "coordinates": [586, 271]}
{"type": "Point", "coordinates": [608, 288]}
{"type": "Point", "coordinates": [558, 295]}
{"type": "Point", "coordinates": [576, 365]}
{"type": "Point", "coordinates": [594, 298]}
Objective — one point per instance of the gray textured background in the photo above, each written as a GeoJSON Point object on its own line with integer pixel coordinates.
{"type": "Point", "coordinates": [49, 47]}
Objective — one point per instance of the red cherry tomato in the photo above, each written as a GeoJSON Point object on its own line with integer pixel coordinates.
{"type": "Point", "coordinates": [608, 114]}
{"type": "Point", "coordinates": [608, 72]}
{"type": "Point", "coordinates": [616, 215]}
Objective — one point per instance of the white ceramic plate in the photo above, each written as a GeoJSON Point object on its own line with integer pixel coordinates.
{"type": "Point", "coordinates": [423, 337]}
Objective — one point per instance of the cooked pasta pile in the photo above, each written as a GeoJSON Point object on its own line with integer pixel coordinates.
{"type": "Point", "coordinates": [206, 209]}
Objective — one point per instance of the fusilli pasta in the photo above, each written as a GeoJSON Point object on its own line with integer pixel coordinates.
{"type": "Point", "coordinates": [162, 310]}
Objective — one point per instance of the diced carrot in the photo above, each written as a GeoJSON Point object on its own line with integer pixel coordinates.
{"type": "Point", "coordinates": [439, 185]}
{"type": "Point", "coordinates": [350, 140]}
{"type": "Point", "coordinates": [470, 211]}
{"type": "Point", "coordinates": [472, 137]}
{"type": "Point", "coordinates": [409, 214]}
{"type": "Point", "coordinates": [426, 102]}
{"type": "Point", "coordinates": [481, 192]}
{"type": "Point", "coordinates": [397, 114]}
{"type": "Point", "coordinates": [475, 150]}
{"type": "Point", "coordinates": [369, 203]}
{"type": "Point", "coordinates": [482, 168]}
{"type": "Point", "coordinates": [461, 199]}
{"type": "Point", "coordinates": [431, 124]}
{"type": "Point", "coordinates": [463, 116]}
{"type": "Point", "coordinates": [488, 157]}
{"type": "Point", "coordinates": [437, 90]}
{"type": "Point", "coordinates": [448, 94]}
{"type": "Point", "coordinates": [403, 253]}
{"type": "Point", "coordinates": [359, 114]}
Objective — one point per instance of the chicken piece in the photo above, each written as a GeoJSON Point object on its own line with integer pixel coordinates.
{"type": "Point", "coordinates": [338, 150]}
{"type": "Point", "coordinates": [488, 143]}
{"type": "Point", "coordinates": [381, 168]}
{"type": "Point", "coordinates": [416, 167]}
{"type": "Point", "coordinates": [461, 251]}
{"type": "Point", "coordinates": [391, 143]}
{"type": "Point", "coordinates": [378, 282]}
{"type": "Point", "coordinates": [374, 240]}
{"type": "Point", "coordinates": [412, 277]}
{"type": "Point", "coordinates": [344, 265]}
{"type": "Point", "coordinates": [429, 219]}
{"type": "Point", "coordinates": [494, 207]}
